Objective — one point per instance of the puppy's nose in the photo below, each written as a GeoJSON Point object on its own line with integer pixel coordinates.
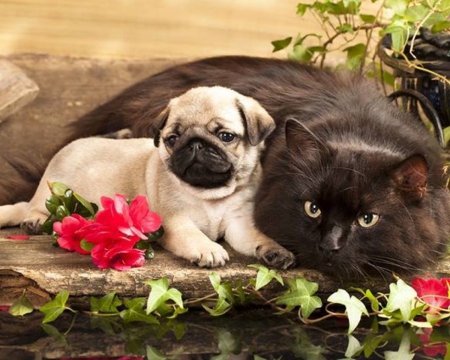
{"type": "Point", "coordinates": [196, 145]}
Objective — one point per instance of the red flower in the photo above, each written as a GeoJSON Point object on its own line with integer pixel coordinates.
{"type": "Point", "coordinates": [119, 256]}
{"type": "Point", "coordinates": [120, 220]}
{"type": "Point", "coordinates": [18, 237]}
{"type": "Point", "coordinates": [431, 349]}
{"type": "Point", "coordinates": [434, 292]}
{"type": "Point", "coordinates": [71, 231]}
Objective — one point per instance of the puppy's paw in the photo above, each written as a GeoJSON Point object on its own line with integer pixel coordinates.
{"type": "Point", "coordinates": [212, 255]}
{"type": "Point", "coordinates": [275, 256]}
{"type": "Point", "coordinates": [31, 226]}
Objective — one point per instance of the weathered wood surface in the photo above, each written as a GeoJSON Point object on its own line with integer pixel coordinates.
{"type": "Point", "coordinates": [16, 89]}
{"type": "Point", "coordinates": [69, 88]}
{"type": "Point", "coordinates": [44, 270]}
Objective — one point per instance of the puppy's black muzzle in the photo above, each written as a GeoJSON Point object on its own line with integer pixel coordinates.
{"type": "Point", "coordinates": [201, 164]}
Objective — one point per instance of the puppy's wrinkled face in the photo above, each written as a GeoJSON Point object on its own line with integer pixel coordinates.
{"type": "Point", "coordinates": [211, 136]}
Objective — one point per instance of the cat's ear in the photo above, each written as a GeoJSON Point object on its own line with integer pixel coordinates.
{"type": "Point", "coordinates": [410, 176]}
{"type": "Point", "coordinates": [301, 142]}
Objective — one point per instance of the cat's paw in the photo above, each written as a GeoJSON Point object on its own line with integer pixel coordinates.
{"type": "Point", "coordinates": [211, 255]}
{"type": "Point", "coordinates": [31, 226]}
{"type": "Point", "coordinates": [275, 256]}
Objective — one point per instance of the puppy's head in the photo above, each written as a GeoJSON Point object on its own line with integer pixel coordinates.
{"type": "Point", "coordinates": [210, 137]}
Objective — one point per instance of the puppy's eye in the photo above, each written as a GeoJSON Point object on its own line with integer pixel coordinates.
{"type": "Point", "coordinates": [226, 136]}
{"type": "Point", "coordinates": [171, 140]}
{"type": "Point", "coordinates": [312, 209]}
{"type": "Point", "coordinates": [368, 220]}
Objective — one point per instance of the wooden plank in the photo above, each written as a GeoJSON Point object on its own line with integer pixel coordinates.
{"type": "Point", "coordinates": [44, 270]}
{"type": "Point", "coordinates": [16, 89]}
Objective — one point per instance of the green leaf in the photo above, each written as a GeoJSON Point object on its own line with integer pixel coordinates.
{"type": "Point", "coordinates": [398, 6]}
{"type": "Point", "coordinates": [228, 343]}
{"type": "Point", "coordinates": [354, 308]}
{"type": "Point", "coordinates": [301, 9]}
{"type": "Point", "coordinates": [404, 351]}
{"type": "Point", "coordinates": [86, 245]}
{"type": "Point", "coordinates": [300, 294]}
{"type": "Point", "coordinates": [52, 204]}
{"type": "Point", "coordinates": [301, 54]}
{"type": "Point", "coordinates": [353, 347]}
{"type": "Point", "coordinates": [54, 332]}
{"type": "Point", "coordinates": [224, 290]}
{"type": "Point", "coordinates": [221, 307]}
{"type": "Point", "coordinates": [355, 56]}
{"type": "Point", "coordinates": [135, 312]}
{"type": "Point", "coordinates": [21, 306]}
{"type": "Point", "coordinates": [367, 18]}
{"type": "Point", "coordinates": [58, 188]}
{"type": "Point", "coordinates": [160, 293]}
{"type": "Point", "coordinates": [345, 29]}
{"type": "Point", "coordinates": [155, 354]}
{"type": "Point", "coordinates": [264, 276]}
{"type": "Point", "coordinates": [440, 26]}
{"type": "Point", "coordinates": [375, 304]}
{"type": "Point", "coordinates": [401, 297]}
{"type": "Point", "coordinates": [107, 304]}
{"type": "Point", "coordinates": [54, 308]}
{"type": "Point", "coordinates": [86, 204]}
{"type": "Point", "coordinates": [281, 44]}
{"type": "Point", "coordinates": [61, 212]}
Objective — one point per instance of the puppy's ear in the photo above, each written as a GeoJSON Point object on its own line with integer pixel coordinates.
{"type": "Point", "coordinates": [258, 123]}
{"type": "Point", "coordinates": [155, 128]}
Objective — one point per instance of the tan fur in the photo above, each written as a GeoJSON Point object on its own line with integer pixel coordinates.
{"type": "Point", "coordinates": [192, 216]}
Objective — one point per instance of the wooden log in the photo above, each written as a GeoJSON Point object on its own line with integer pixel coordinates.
{"type": "Point", "coordinates": [16, 89]}
{"type": "Point", "coordinates": [44, 270]}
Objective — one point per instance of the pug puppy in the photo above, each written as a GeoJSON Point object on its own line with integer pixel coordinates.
{"type": "Point", "coordinates": [200, 173]}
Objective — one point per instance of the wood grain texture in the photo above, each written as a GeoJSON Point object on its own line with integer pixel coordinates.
{"type": "Point", "coordinates": [16, 89]}
{"type": "Point", "coordinates": [45, 270]}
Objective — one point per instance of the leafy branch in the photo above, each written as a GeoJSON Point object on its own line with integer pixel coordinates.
{"type": "Point", "coordinates": [402, 305]}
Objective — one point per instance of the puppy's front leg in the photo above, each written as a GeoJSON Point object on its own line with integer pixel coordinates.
{"type": "Point", "coordinates": [245, 238]}
{"type": "Point", "coordinates": [184, 239]}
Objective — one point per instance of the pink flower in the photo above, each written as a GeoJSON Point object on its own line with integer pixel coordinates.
{"type": "Point", "coordinates": [434, 292]}
{"type": "Point", "coordinates": [119, 256]}
{"type": "Point", "coordinates": [71, 231]}
{"type": "Point", "coordinates": [120, 220]}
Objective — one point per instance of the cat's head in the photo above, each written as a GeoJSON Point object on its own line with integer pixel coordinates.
{"type": "Point", "coordinates": [349, 207]}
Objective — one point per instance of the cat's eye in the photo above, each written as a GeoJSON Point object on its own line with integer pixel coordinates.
{"type": "Point", "coordinates": [312, 209]}
{"type": "Point", "coordinates": [368, 220]}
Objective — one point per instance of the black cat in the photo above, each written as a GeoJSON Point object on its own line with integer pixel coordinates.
{"type": "Point", "coordinates": [350, 184]}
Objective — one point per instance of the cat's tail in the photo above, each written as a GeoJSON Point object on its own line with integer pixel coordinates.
{"type": "Point", "coordinates": [13, 215]}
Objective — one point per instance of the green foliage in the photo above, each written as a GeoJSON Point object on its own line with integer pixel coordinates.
{"type": "Point", "coordinates": [301, 294]}
{"type": "Point", "coordinates": [54, 308]}
{"type": "Point", "coordinates": [344, 26]}
{"type": "Point", "coordinates": [354, 308]}
{"type": "Point", "coordinates": [21, 306]}
{"type": "Point", "coordinates": [64, 202]}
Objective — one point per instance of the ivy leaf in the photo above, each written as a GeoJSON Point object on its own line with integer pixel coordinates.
{"type": "Point", "coordinates": [401, 297]}
{"type": "Point", "coordinates": [375, 304]}
{"type": "Point", "coordinates": [355, 56]}
{"type": "Point", "coordinates": [398, 6]}
{"type": "Point", "coordinates": [160, 293]}
{"type": "Point", "coordinates": [265, 276]}
{"type": "Point", "coordinates": [21, 306]}
{"type": "Point", "coordinates": [54, 308]}
{"type": "Point", "coordinates": [155, 354]}
{"type": "Point", "coordinates": [224, 290]}
{"type": "Point", "coordinates": [440, 26]}
{"type": "Point", "coordinates": [301, 8]}
{"type": "Point", "coordinates": [300, 294]}
{"type": "Point", "coordinates": [221, 307]}
{"type": "Point", "coordinates": [354, 308]}
{"type": "Point", "coordinates": [135, 312]}
{"type": "Point", "coordinates": [353, 347]}
{"type": "Point", "coordinates": [107, 304]}
{"type": "Point", "coordinates": [281, 44]}
{"type": "Point", "coordinates": [368, 19]}
{"type": "Point", "coordinates": [404, 350]}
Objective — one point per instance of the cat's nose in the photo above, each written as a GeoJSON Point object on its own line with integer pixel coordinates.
{"type": "Point", "coordinates": [331, 242]}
